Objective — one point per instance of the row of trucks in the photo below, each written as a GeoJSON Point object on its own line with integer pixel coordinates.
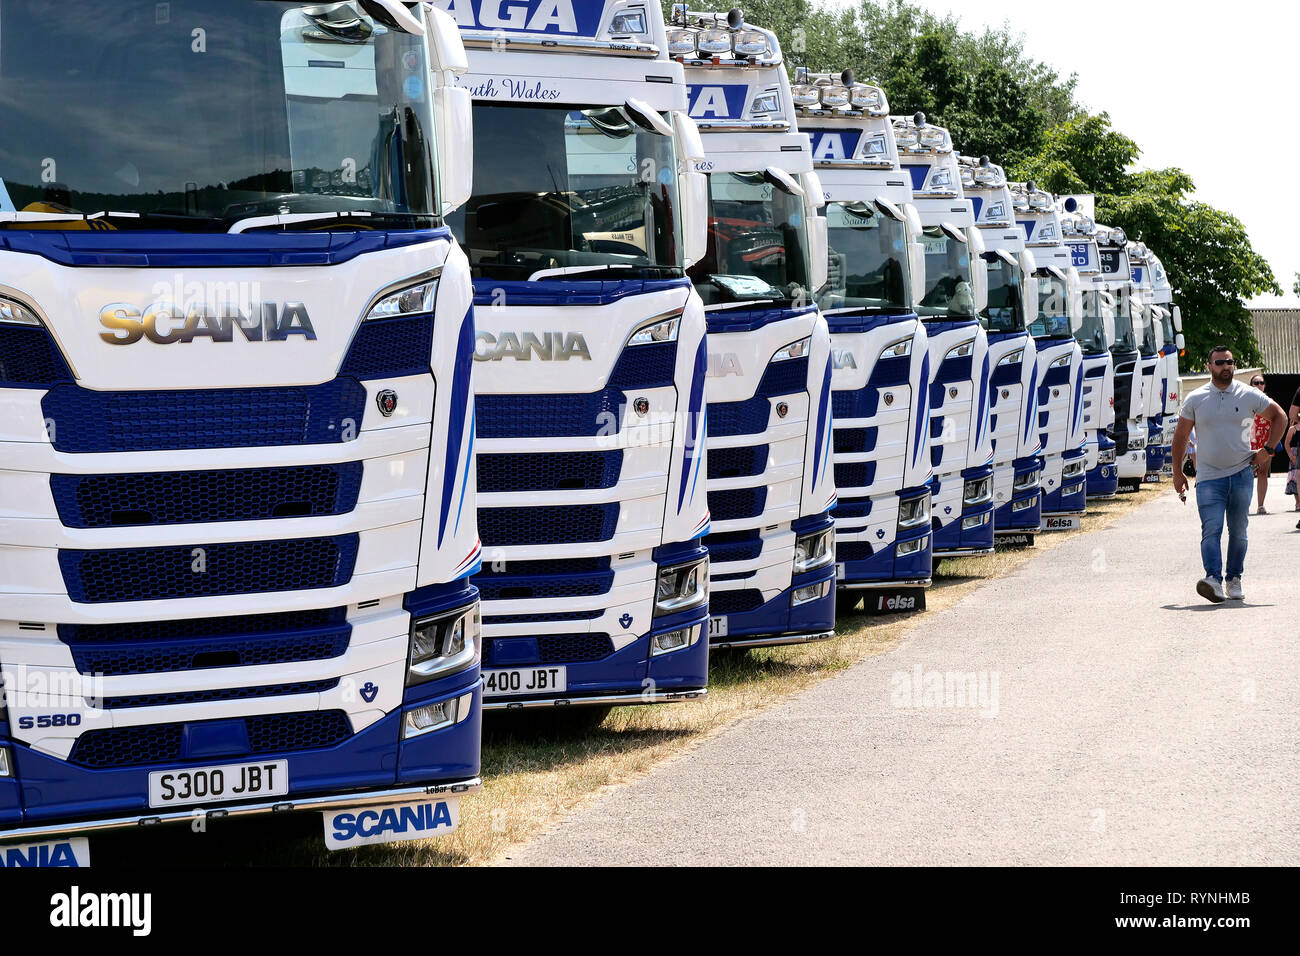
{"type": "Point", "coordinates": [370, 365]}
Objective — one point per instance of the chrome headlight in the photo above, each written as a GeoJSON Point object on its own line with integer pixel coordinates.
{"type": "Point", "coordinates": [911, 547]}
{"type": "Point", "coordinates": [939, 179]}
{"type": "Point", "coordinates": [835, 96]}
{"type": "Point", "coordinates": [765, 103]}
{"type": "Point", "coordinates": [869, 98]}
{"type": "Point", "coordinates": [6, 765]}
{"type": "Point", "coordinates": [804, 95]}
{"type": "Point", "coordinates": [669, 641]}
{"type": "Point", "coordinates": [413, 300]}
{"type": "Point", "coordinates": [15, 313]}
{"type": "Point", "coordinates": [794, 350]}
{"type": "Point", "coordinates": [874, 145]}
{"type": "Point", "coordinates": [913, 512]}
{"type": "Point", "coordinates": [1012, 357]}
{"type": "Point", "coordinates": [931, 137]}
{"type": "Point", "coordinates": [813, 551]}
{"type": "Point", "coordinates": [714, 41]}
{"type": "Point", "coordinates": [978, 491]}
{"type": "Point", "coordinates": [1106, 456]}
{"type": "Point", "coordinates": [810, 592]}
{"type": "Point", "coordinates": [444, 644]}
{"type": "Point", "coordinates": [662, 331]}
{"type": "Point", "coordinates": [627, 21]}
{"type": "Point", "coordinates": [1025, 505]}
{"type": "Point", "coordinates": [749, 43]}
{"type": "Point", "coordinates": [422, 720]}
{"type": "Point", "coordinates": [975, 521]}
{"type": "Point", "coordinates": [1029, 479]}
{"type": "Point", "coordinates": [897, 349]}
{"type": "Point", "coordinates": [681, 42]}
{"type": "Point", "coordinates": [1073, 470]}
{"type": "Point", "coordinates": [682, 587]}
{"type": "Point", "coordinates": [906, 136]}
{"type": "Point", "coordinates": [960, 351]}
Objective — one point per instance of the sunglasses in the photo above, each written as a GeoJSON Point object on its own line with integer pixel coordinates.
{"type": "Point", "coordinates": [1259, 382]}
{"type": "Point", "coordinates": [1222, 362]}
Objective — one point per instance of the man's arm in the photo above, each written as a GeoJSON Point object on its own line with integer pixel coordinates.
{"type": "Point", "coordinates": [1181, 433]}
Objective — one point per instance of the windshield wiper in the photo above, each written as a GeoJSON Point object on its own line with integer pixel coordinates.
{"type": "Point", "coordinates": [133, 217]}
{"type": "Point", "coordinates": [575, 272]}
{"type": "Point", "coordinates": [290, 220]}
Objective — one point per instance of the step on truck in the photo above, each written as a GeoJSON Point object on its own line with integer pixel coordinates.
{"type": "Point", "coordinates": [880, 383]}
{"type": "Point", "coordinates": [1060, 416]}
{"type": "Point", "coordinates": [1130, 428]}
{"type": "Point", "coordinates": [1019, 464]}
{"type": "Point", "coordinates": [770, 481]}
{"type": "Point", "coordinates": [1151, 344]}
{"type": "Point", "coordinates": [1172, 346]}
{"type": "Point", "coordinates": [590, 357]}
{"type": "Point", "coordinates": [236, 344]}
{"type": "Point", "coordinates": [1096, 337]}
{"type": "Point", "coordinates": [956, 292]}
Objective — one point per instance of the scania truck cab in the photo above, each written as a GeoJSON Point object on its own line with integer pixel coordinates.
{"type": "Point", "coordinates": [1130, 428]}
{"type": "Point", "coordinates": [237, 503]}
{"type": "Point", "coordinates": [770, 481]}
{"type": "Point", "coordinates": [590, 358]}
{"type": "Point", "coordinates": [956, 292]}
{"type": "Point", "coordinates": [1059, 321]}
{"type": "Point", "coordinates": [1151, 345]}
{"type": "Point", "coordinates": [1012, 307]}
{"type": "Point", "coordinates": [1095, 336]}
{"type": "Point", "coordinates": [1172, 346]}
{"type": "Point", "coordinates": [881, 379]}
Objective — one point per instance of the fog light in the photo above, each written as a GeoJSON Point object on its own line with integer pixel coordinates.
{"type": "Point", "coordinates": [5, 762]}
{"type": "Point", "coordinates": [669, 641]}
{"type": "Point", "coordinates": [974, 521]}
{"type": "Point", "coordinates": [1025, 505]}
{"type": "Point", "coordinates": [431, 717]}
{"type": "Point", "coordinates": [911, 547]}
{"type": "Point", "coordinates": [1072, 489]}
{"type": "Point", "coordinates": [810, 593]}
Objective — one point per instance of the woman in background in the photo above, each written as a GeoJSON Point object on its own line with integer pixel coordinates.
{"type": "Point", "coordinates": [1258, 439]}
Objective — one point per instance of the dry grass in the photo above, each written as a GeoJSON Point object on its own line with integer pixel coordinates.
{"type": "Point", "coordinates": [538, 773]}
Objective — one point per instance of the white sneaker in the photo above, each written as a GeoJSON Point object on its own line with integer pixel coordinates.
{"type": "Point", "coordinates": [1235, 593]}
{"type": "Point", "coordinates": [1210, 589]}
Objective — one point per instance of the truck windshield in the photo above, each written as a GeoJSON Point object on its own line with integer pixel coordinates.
{"type": "Point", "coordinates": [1005, 311]}
{"type": "Point", "coordinates": [758, 243]}
{"type": "Point", "coordinates": [561, 187]}
{"type": "Point", "coordinates": [868, 260]}
{"type": "Point", "coordinates": [1092, 333]}
{"type": "Point", "coordinates": [194, 115]}
{"type": "Point", "coordinates": [1124, 339]}
{"type": "Point", "coordinates": [947, 277]}
{"type": "Point", "coordinates": [1053, 320]}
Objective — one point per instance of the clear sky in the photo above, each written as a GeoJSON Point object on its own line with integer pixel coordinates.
{"type": "Point", "coordinates": [1193, 83]}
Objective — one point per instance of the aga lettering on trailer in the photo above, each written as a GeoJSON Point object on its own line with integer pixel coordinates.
{"type": "Point", "coordinates": [578, 18]}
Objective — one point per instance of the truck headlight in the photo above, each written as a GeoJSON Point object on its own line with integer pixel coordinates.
{"type": "Point", "coordinates": [1025, 505]}
{"type": "Point", "coordinates": [977, 492]}
{"type": "Point", "coordinates": [975, 521]}
{"type": "Point", "coordinates": [1012, 357]}
{"type": "Point", "coordinates": [6, 763]}
{"type": "Point", "coordinates": [416, 299]}
{"type": "Point", "coordinates": [675, 640]}
{"type": "Point", "coordinates": [444, 644]}
{"type": "Point", "coordinates": [749, 43]}
{"type": "Point", "coordinates": [1106, 456]}
{"type": "Point", "coordinates": [897, 349]}
{"type": "Point", "coordinates": [664, 330]}
{"type": "Point", "coordinates": [15, 313]}
{"type": "Point", "coordinates": [913, 512]}
{"type": "Point", "coordinates": [1137, 441]}
{"type": "Point", "coordinates": [682, 587]}
{"type": "Point", "coordinates": [815, 550]}
{"type": "Point", "coordinates": [1029, 479]}
{"type": "Point", "coordinates": [810, 592]}
{"type": "Point", "coordinates": [793, 351]}
{"type": "Point", "coordinates": [626, 21]}
{"type": "Point", "coordinates": [911, 547]}
{"type": "Point", "coordinates": [681, 42]}
{"type": "Point", "coordinates": [960, 351]}
{"type": "Point", "coordinates": [714, 41]}
{"type": "Point", "coordinates": [1072, 470]}
{"type": "Point", "coordinates": [431, 717]}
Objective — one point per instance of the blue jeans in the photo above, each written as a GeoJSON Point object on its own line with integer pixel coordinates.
{"type": "Point", "coordinates": [1214, 499]}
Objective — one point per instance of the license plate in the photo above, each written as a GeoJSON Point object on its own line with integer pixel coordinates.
{"type": "Point", "coordinates": [839, 571]}
{"type": "Point", "coordinates": [237, 781]}
{"type": "Point", "coordinates": [391, 823]}
{"type": "Point", "coordinates": [1151, 479]}
{"type": "Point", "coordinates": [1063, 523]}
{"type": "Point", "coordinates": [717, 627]}
{"type": "Point", "coordinates": [74, 851]}
{"type": "Point", "coordinates": [525, 680]}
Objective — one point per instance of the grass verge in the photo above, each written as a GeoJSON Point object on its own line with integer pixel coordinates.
{"type": "Point", "coordinates": [536, 774]}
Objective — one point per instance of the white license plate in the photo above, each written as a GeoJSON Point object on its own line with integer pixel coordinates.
{"type": "Point", "coordinates": [717, 627]}
{"type": "Point", "coordinates": [525, 680]}
{"type": "Point", "coordinates": [73, 851]}
{"type": "Point", "coordinates": [839, 571]}
{"type": "Point", "coordinates": [391, 823]}
{"type": "Point", "coordinates": [238, 781]}
{"type": "Point", "coordinates": [1064, 523]}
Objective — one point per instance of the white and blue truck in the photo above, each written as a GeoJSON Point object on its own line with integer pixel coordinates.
{"type": "Point", "coordinates": [590, 357]}
{"type": "Point", "coordinates": [1096, 336]}
{"type": "Point", "coordinates": [1019, 463]}
{"type": "Point", "coordinates": [237, 506]}
{"type": "Point", "coordinates": [1130, 429]}
{"type": "Point", "coordinates": [1151, 344]}
{"type": "Point", "coordinates": [1056, 329]}
{"type": "Point", "coordinates": [1172, 345]}
{"type": "Point", "coordinates": [770, 476]}
{"type": "Point", "coordinates": [956, 292]}
{"type": "Point", "coordinates": [880, 384]}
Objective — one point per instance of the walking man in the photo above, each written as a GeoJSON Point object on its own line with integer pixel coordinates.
{"type": "Point", "coordinates": [1223, 412]}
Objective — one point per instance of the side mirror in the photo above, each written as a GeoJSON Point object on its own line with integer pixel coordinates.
{"type": "Point", "coordinates": [693, 190]}
{"type": "Point", "coordinates": [446, 50]}
{"type": "Point", "coordinates": [1029, 287]}
{"type": "Point", "coordinates": [453, 111]}
{"type": "Point", "coordinates": [1178, 320]}
{"type": "Point", "coordinates": [1181, 343]}
{"type": "Point", "coordinates": [819, 243]}
{"type": "Point", "coordinates": [978, 271]}
{"type": "Point", "coordinates": [916, 267]}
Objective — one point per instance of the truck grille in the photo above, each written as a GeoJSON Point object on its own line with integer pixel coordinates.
{"type": "Point", "coordinates": [734, 546]}
{"type": "Point", "coordinates": [549, 416]}
{"type": "Point", "coordinates": [737, 503]}
{"type": "Point", "coordinates": [169, 573]}
{"type": "Point", "coordinates": [735, 602]}
{"type": "Point", "coordinates": [555, 648]}
{"type": "Point", "coordinates": [557, 471]}
{"type": "Point", "coordinates": [164, 743]}
{"type": "Point", "coordinates": [86, 421]}
{"type": "Point", "coordinates": [184, 497]}
{"type": "Point", "coordinates": [645, 366]}
{"type": "Point", "coordinates": [30, 359]}
{"type": "Point", "coordinates": [563, 524]}
{"type": "Point", "coordinates": [858, 474]}
{"type": "Point", "coordinates": [390, 348]}
{"type": "Point", "coordinates": [737, 462]}
{"type": "Point", "coordinates": [224, 693]}
{"type": "Point", "coordinates": [855, 441]}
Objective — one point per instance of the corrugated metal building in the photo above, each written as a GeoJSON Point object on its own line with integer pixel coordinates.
{"type": "Point", "coordinates": [1278, 332]}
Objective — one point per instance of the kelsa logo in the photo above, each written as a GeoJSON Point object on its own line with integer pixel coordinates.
{"type": "Point", "coordinates": [528, 16]}
{"type": "Point", "coordinates": [163, 323]}
{"type": "Point", "coordinates": [716, 102]}
{"type": "Point", "coordinates": [522, 347]}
